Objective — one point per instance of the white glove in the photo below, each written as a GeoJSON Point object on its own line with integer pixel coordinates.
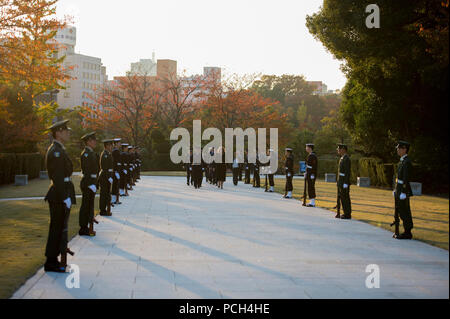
{"type": "Point", "coordinates": [131, 169]}
{"type": "Point", "coordinates": [190, 168]}
{"type": "Point", "coordinates": [93, 188]}
{"type": "Point", "coordinates": [68, 202]}
{"type": "Point", "coordinates": [117, 175]}
{"type": "Point", "coordinates": [312, 176]}
{"type": "Point", "coordinates": [125, 171]}
{"type": "Point", "coordinates": [345, 185]}
{"type": "Point", "coordinates": [402, 196]}
{"type": "Point", "coordinates": [203, 169]}
{"type": "Point", "coordinates": [110, 180]}
{"type": "Point", "coordinates": [289, 174]}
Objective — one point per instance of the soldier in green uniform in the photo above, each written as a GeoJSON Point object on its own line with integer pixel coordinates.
{"type": "Point", "coordinates": [403, 191]}
{"type": "Point", "coordinates": [105, 179]}
{"type": "Point", "coordinates": [256, 176]}
{"type": "Point", "coordinates": [124, 170]}
{"type": "Point", "coordinates": [139, 161]}
{"type": "Point", "coordinates": [343, 181]}
{"type": "Point", "coordinates": [60, 197]}
{"type": "Point", "coordinates": [117, 167]}
{"type": "Point", "coordinates": [130, 167]}
{"type": "Point", "coordinates": [311, 174]}
{"type": "Point", "coordinates": [289, 170]}
{"type": "Point", "coordinates": [88, 185]}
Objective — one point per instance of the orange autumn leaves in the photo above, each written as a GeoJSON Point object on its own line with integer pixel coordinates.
{"type": "Point", "coordinates": [134, 105]}
{"type": "Point", "coordinates": [29, 67]}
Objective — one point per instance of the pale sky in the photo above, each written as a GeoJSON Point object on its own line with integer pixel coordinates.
{"type": "Point", "coordinates": [241, 36]}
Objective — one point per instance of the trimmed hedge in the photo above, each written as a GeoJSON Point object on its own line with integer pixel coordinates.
{"type": "Point", "coordinates": [160, 162]}
{"type": "Point", "coordinates": [19, 164]}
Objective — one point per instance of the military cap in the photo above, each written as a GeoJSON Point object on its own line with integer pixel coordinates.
{"type": "Point", "coordinates": [288, 149]}
{"type": "Point", "coordinates": [402, 144]}
{"type": "Point", "coordinates": [130, 146]}
{"type": "Point", "coordinates": [59, 126]}
{"type": "Point", "coordinates": [108, 141]}
{"type": "Point", "coordinates": [310, 145]}
{"type": "Point", "coordinates": [88, 136]}
{"type": "Point", "coordinates": [117, 139]}
{"type": "Point", "coordinates": [124, 144]}
{"type": "Point", "coordinates": [342, 146]}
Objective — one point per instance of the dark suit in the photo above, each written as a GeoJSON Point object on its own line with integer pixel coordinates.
{"type": "Point", "coordinates": [59, 168]}
{"type": "Point", "coordinates": [289, 169]}
{"type": "Point", "coordinates": [106, 172]}
{"type": "Point", "coordinates": [311, 170]}
{"type": "Point", "coordinates": [117, 165]}
{"type": "Point", "coordinates": [403, 186]}
{"type": "Point", "coordinates": [89, 169]}
{"type": "Point", "coordinates": [344, 174]}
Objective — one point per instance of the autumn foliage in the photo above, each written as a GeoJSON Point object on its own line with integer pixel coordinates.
{"type": "Point", "coordinates": [29, 67]}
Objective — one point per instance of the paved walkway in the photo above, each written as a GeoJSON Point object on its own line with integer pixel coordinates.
{"type": "Point", "coordinates": [169, 240]}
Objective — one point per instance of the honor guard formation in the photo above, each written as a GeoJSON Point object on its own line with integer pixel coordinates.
{"type": "Point", "coordinates": [117, 170]}
{"type": "Point", "coordinates": [113, 173]}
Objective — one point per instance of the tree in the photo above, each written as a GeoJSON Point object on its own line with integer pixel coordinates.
{"type": "Point", "coordinates": [125, 107]}
{"type": "Point", "coordinates": [29, 67]}
{"type": "Point", "coordinates": [398, 74]}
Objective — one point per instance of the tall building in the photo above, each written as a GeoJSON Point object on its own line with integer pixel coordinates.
{"type": "Point", "coordinates": [146, 67]}
{"type": "Point", "coordinates": [319, 87]}
{"type": "Point", "coordinates": [88, 73]}
{"type": "Point", "coordinates": [166, 69]}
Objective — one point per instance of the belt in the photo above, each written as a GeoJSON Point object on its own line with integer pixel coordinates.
{"type": "Point", "coordinates": [399, 181]}
{"type": "Point", "coordinates": [341, 174]}
{"type": "Point", "coordinates": [67, 179]}
{"type": "Point", "coordinates": [125, 164]}
{"type": "Point", "coordinates": [119, 164]}
{"type": "Point", "coordinates": [110, 170]}
{"type": "Point", "coordinates": [92, 175]}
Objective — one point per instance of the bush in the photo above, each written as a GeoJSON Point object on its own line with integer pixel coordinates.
{"type": "Point", "coordinates": [368, 168]}
{"type": "Point", "coordinates": [385, 174]}
{"type": "Point", "coordinates": [19, 164]}
{"type": "Point", "coordinates": [7, 162]}
{"type": "Point", "coordinates": [327, 166]}
{"type": "Point", "coordinates": [354, 170]}
{"type": "Point", "coordinates": [160, 162]}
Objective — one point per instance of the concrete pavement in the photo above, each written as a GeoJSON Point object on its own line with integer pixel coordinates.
{"type": "Point", "coordinates": [168, 240]}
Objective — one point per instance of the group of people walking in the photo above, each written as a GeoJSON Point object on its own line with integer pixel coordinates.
{"type": "Point", "coordinates": [114, 172]}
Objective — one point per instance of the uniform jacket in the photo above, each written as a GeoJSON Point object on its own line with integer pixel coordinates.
{"type": "Point", "coordinates": [311, 164]}
{"type": "Point", "coordinates": [89, 168]}
{"type": "Point", "coordinates": [106, 167]}
{"type": "Point", "coordinates": [59, 168]}
{"type": "Point", "coordinates": [344, 171]}
{"type": "Point", "coordinates": [403, 177]}
{"type": "Point", "coordinates": [117, 164]}
{"type": "Point", "coordinates": [289, 164]}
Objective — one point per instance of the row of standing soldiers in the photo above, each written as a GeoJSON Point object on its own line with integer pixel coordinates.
{"type": "Point", "coordinates": [215, 173]}
{"type": "Point", "coordinates": [114, 172]}
{"type": "Point", "coordinates": [402, 190]}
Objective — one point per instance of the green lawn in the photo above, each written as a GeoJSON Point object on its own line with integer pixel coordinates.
{"type": "Point", "coordinates": [23, 235]}
{"type": "Point", "coordinates": [376, 206]}
{"type": "Point", "coordinates": [35, 188]}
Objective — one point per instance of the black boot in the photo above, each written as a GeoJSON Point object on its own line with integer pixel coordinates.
{"type": "Point", "coordinates": [84, 231]}
{"type": "Point", "coordinates": [52, 265]}
{"type": "Point", "coordinates": [405, 235]}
